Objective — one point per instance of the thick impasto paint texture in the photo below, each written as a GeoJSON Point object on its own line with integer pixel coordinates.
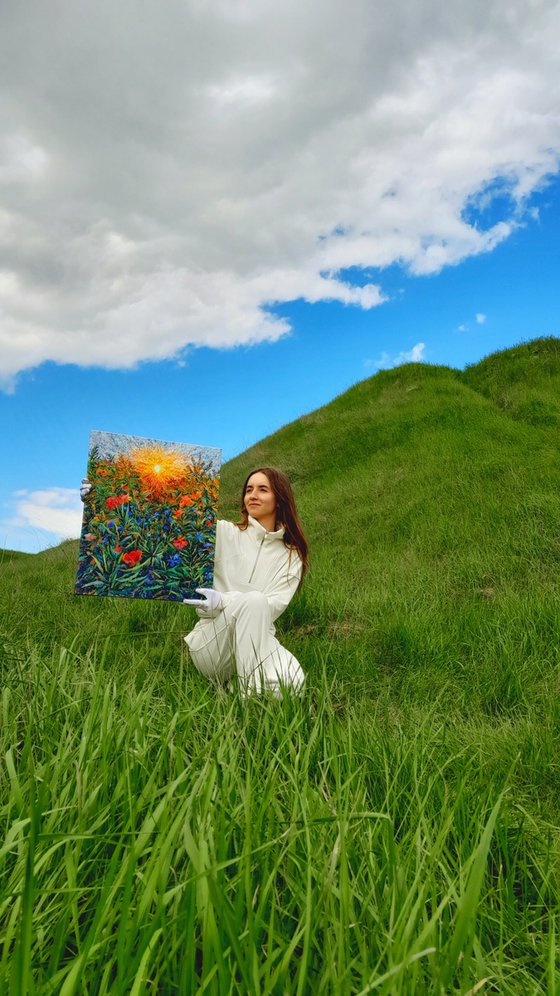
{"type": "Point", "coordinates": [149, 525]}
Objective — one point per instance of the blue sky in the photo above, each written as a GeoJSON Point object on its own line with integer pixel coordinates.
{"type": "Point", "coordinates": [248, 267]}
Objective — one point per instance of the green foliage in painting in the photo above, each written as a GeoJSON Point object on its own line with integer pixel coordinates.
{"type": "Point", "coordinates": [149, 524]}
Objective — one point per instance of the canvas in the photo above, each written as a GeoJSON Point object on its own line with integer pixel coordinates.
{"type": "Point", "coordinates": [149, 523]}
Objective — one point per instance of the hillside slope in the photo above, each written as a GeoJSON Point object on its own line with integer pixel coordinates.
{"type": "Point", "coordinates": [524, 382]}
{"type": "Point", "coordinates": [432, 517]}
{"type": "Point", "coordinates": [395, 827]}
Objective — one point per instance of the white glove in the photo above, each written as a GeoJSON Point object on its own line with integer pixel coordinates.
{"type": "Point", "coordinates": [206, 607]}
{"type": "Point", "coordinates": [85, 488]}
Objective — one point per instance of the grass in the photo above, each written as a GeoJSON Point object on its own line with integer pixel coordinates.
{"type": "Point", "coordinates": [395, 830]}
{"type": "Point", "coordinates": [164, 838]}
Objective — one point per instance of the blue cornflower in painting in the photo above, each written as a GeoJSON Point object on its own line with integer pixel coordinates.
{"type": "Point", "coordinates": [131, 555]}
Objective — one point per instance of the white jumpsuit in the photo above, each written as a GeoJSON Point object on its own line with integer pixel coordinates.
{"type": "Point", "coordinates": [257, 576]}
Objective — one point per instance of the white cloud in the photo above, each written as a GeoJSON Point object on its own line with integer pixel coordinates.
{"type": "Point", "coordinates": [48, 516]}
{"type": "Point", "coordinates": [168, 175]}
{"type": "Point", "coordinates": [20, 160]}
{"type": "Point", "coordinates": [480, 319]}
{"type": "Point", "coordinates": [387, 362]}
{"type": "Point", "coordinates": [249, 89]}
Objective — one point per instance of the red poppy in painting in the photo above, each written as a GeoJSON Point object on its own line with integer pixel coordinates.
{"type": "Point", "coordinates": [144, 491]}
{"type": "Point", "coordinates": [133, 557]}
{"type": "Point", "coordinates": [114, 501]}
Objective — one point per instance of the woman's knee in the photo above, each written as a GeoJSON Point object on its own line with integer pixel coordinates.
{"type": "Point", "coordinates": [251, 601]}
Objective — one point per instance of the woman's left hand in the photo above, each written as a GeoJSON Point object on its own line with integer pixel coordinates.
{"type": "Point", "coordinates": [209, 603]}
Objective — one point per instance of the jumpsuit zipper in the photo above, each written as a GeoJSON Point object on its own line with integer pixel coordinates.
{"type": "Point", "coordinates": [256, 561]}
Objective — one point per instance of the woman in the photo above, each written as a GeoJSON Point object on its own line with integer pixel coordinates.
{"type": "Point", "coordinates": [259, 565]}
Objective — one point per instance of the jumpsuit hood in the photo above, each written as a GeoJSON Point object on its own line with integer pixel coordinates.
{"type": "Point", "coordinates": [260, 531]}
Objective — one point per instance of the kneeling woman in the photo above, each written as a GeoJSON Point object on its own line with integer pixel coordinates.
{"type": "Point", "coordinates": [260, 564]}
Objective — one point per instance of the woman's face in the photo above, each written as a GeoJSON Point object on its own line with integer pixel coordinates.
{"type": "Point", "coordinates": [260, 500]}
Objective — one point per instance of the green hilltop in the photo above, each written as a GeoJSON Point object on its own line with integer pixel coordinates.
{"type": "Point", "coordinates": [431, 502]}
{"type": "Point", "coordinates": [430, 499]}
{"type": "Point", "coordinates": [394, 830]}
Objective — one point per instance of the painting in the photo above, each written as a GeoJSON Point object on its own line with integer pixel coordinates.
{"type": "Point", "coordinates": [149, 521]}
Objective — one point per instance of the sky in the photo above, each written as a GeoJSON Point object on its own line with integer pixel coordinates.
{"type": "Point", "coordinates": [216, 217]}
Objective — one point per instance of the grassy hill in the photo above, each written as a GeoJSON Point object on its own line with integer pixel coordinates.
{"type": "Point", "coordinates": [523, 382]}
{"type": "Point", "coordinates": [397, 827]}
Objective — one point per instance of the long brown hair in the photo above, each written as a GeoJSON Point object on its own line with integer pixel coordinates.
{"type": "Point", "coordinates": [286, 513]}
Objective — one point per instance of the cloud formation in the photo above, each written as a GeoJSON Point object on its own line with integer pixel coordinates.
{"type": "Point", "coordinates": [56, 511]}
{"type": "Point", "coordinates": [480, 319]}
{"type": "Point", "coordinates": [387, 362]}
{"type": "Point", "coordinates": [167, 175]}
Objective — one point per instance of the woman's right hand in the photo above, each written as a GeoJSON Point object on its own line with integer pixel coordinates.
{"type": "Point", "coordinates": [207, 607]}
{"type": "Point", "coordinates": [85, 488]}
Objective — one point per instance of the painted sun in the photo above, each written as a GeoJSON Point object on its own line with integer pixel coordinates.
{"type": "Point", "coordinates": [158, 467]}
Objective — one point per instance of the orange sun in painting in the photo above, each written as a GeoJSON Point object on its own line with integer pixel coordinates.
{"type": "Point", "coordinates": [158, 467]}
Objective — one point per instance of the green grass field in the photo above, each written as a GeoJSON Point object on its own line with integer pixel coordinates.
{"type": "Point", "coordinates": [396, 829]}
